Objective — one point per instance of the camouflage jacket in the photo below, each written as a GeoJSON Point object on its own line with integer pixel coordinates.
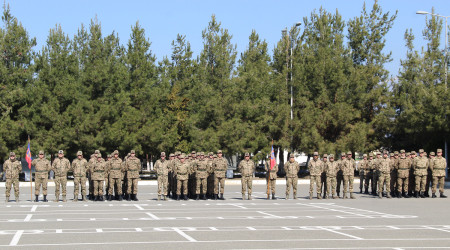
{"type": "Point", "coordinates": [246, 168]}
{"type": "Point", "coordinates": [60, 167]}
{"type": "Point", "coordinates": [132, 166]}
{"type": "Point", "coordinates": [201, 168]}
{"type": "Point", "coordinates": [42, 167]}
{"type": "Point", "coordinates": [420, 166]}
{"type": "Point", "coordinates": [79, 167]}
{"type": "Point", "coordinates": [162, 167]}
{"type": "Point", "coordinates": [271, 173]}
{"type": "Point", "coordinates": [98, 171]}
{"type": "Point", "coordinates": [439, 165]}
{"type": "Point", "coordinates": [220, 166]}
{"type": "Point", "coordinates": [383, 166]}
{"type": "Point", "coordinates": [315, 167]}
{"type": "Point", "coordinates": [115, 168]}
{"type": "Point", "coordinates": [183, 170]}
{"type": "Point", "coordinates": [331, 169]}
{"type": "Point", "coordinates": [348, 167]}
{"type": "Point", "coordinates": [403, 166]}
{"type": "Point", "coordinates": [291, 169]}
{"type": "Point", "coordinates": [12, 169]}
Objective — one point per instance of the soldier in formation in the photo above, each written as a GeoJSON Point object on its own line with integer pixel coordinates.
{"type": "Point", "coordinates": [162, 169]}
{"type": "Point", "coordinates": [12, 169]}
{"type": "Point", "coordinates": [247, 168]}
{"type": "Point", "coordinates": [42, 167]}
{"type": "Point", "coordinates": [60, 167]}
{"type": "Point", "coordinates": [79, 169]}
{"type": "Point", "coordinates": [291, 169]}
{"type": "Point", "coordinates": [271, 177]}
{"type": "Point", "coordinates": [315, 168]}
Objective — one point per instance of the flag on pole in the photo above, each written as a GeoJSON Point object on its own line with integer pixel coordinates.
{"type": "Point", "coordinates": [28, 155]}
{"type": "Point", "coordinates": [272, 158]}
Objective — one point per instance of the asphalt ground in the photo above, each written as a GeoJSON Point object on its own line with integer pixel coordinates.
{"type": "Point", "coordinates": [362, 223]}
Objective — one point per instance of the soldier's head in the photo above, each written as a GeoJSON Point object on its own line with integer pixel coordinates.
{"type": "Point", "coordinates": [370, 156]}
{"type": "Point", "coordinates": [316, 156]}
{"type": "Point", "coordinates": [385, 154]}
{"type": "Point", "coordinates": [391, 155]}
{"type": "Point", "coordinates": [219, 153]}
{"type": "Point", "coordinates": [60, 154]}
{"type": "Point", "coordinates": [163, 155]}
{"type": "Point", "coordinates": [116, 154]}
{"type": "Point", "coordinates": [193, 155]}
{"type": "Point", "coordinates": [211, 155]}
{"type": "Point", "coordinates": [79, 155]}
{"type": "Point", "coordinates": [421, 152]}
{"type": "Point", "coordinates": [439, 152]}
{"type": "Point", "coordinates": [41, 154]}
{"type": "Point", "coordinates": [342, 156]}
{"type": "Point", "coordinates": [432, 154]}
{"type": "Point", "coordinates": [12, 155]}
{"type": "Point", "coordinates": [108, 157]}
{"type": "Point", "coordinates": [133, 153]}
{"type": "Point", "coordinates": [182, 158]}
{"type": "Point", "coordinates": [331, 157]}
{"type": "Point", "coordinates": [201, 155]}
{"type": "Point", "coordinates": [378, 154]}
{"type": "Point", "coordinates": [365, 156]}
{"type": "Point", "coordinates": [171, 156]}
{"type": "Point", "coordinates": [349, 154]}
{"type": "Point", "coordinates": [247, 156]}
{"type": "Point", "coordinates": [325, 157]}
{"type": "Point", "coordinates": [396, 154]}
{"type": "Point", "coordinates": [291, 157]}
{"type": "Point", "coordinates": [402, 153]}
{"type": "Point", "coordinates": [99, 157]}
{"type": "Point", "coordinates": [96, 152]}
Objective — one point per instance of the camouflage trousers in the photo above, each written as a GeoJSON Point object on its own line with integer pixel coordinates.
{"type": "Point", "coordinates": [182, 184]}
{"type": "Point", "coordinates": [115, 184]}
{"type": "Point", "coordinates": [382, 180]}
{"type": "Point", "coordinates": [369, 181]}
{"type": "Point", "coordinates": [402, 183]}
{"type": "Point", "coordinates": [362, 177]}
{"type": "Point", "coordinates": [331, 184]}
{"type": "Point", "coordinates": [217, 181]}
{"type": "Point", "coordinates": [438, 180]}
{"type": "Point", "coordinates": [291, 182]}
{"type": "Point", "coordinates": [348, 183]}
{"type": "Point", "coordinates": [272, 183]}
{"type": "Point", "coordinates": [132, 185]}
{"type": "Point", "coordinates": [211, 184]}
{"type": "Point", "coordinates": [76, 185]}
{"type": "Point", "coordinates": [375, 178]}
{"type": "Point", "coordinates": [163, 183]}
{"type": "Point", "coordinates": [38, 182]}
{"type": "Point", "coordinates": [98, 187]}
{"type": "Point", "coordinates": [420, 183]}
{"type": "Point", "coordinates": [201, 185]}
{"type": "Point", "coordinates": [91, 187]}
{"type": "Point", "coordinates": [246, 184]}
{"type": "Point", "coordinates": [317, 180]}
{"type": "Point", "coordinates": [60, 185]}
{"type": "Point", "coordinates": [9, 183]}
{"type": "Point", "coordinates": [107, 185]}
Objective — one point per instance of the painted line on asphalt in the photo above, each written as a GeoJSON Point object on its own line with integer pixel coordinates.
{"type": "Point", "coordinates": [271, 215]}
{"type": "Point", "coordinates": [153, 216]}
{"type": "Point", "coordinates": [187, 237]}
{"type": "Point", "coordinates": [341, 233]}
{"type": "Point", "coordinates": [33, 208]}
{"type": "Point", "coordinates": [28, 218]}
{"type": "Point", "coordinates": [16, 238]}
{"type": "Point", "coordinates": [139, 207]}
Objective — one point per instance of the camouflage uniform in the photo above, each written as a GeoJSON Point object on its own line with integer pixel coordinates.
{"type": "Point", "coordinates": [420, 172]}
{"type": "Point", "coordinates": [42, 167]}
{"type": "Point", "coordinates": [162, 169]}
{"type": "Point", "coordinates": [192, 182]}
{"type": "Point", "coordinates": [376, 173]}
{"type": "Point", "coordinates": [393, 163]}
{"type": "Point", "coordinates": [348, 172]}
{"type": "Point", "coordinates": [107, 171]}
{"type": "Point", "coordinates": [438, 171]}
{"type": "Point", "coordinates": [211, 179]}
{"type": "Point", "coordinates": [132, 166]}
{"type": "Point", "coordinates": [331, 169]}
{"type": "Point", "coordinates": [271, 178]}
{"type": "Point", "coordinates": [323, 177]}
{"type": "Point", "coordinates": [339, 175]}
{"type": "Point", "coordinates": [291, 169]}
{"type": "Point", "coordinates": [315, 170]}
{"type": "Point", "coordinates": [247, 168]}
{"type": "Point", "coordinates": [91, 162]}
{"type": "Point", "coordinates": [384, 169]}
{"type": "Point", "coordinates": [98, 177]}
{"type": "Point", "coordinates": [429, 182]}
{"type": "Point", "coordinates": [183, 170]}
{"type": "Point", "coordinates": [12, 169]}
{"type": "Point", "coordinates": [201, 168]}
{"type": "Point", "coordinates": [79, 169]}
{"type": "Point", "coordinates": [403, 166]}
{"type": "Point", "coordinates": [412, 179]}
{"type": "Point", "coordinates": [220, 166]}
{"type": "Point", "coordinates": [115, 168]}
{"type": "Point", "coordinates": [60, 167]}
{"type": "Point", "coordinates": [363, 172]}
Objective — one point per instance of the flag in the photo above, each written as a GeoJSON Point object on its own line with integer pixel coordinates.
{"type": "Point", "coordinates": [272, 159]}
{"type": "Point", "coordinates": [28, 155]}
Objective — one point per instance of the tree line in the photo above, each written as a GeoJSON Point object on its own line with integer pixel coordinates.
{"type": "Point", "coordinates": [90, 91]}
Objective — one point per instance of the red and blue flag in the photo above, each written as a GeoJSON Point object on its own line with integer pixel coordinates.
{"type": "Point", "coordinates": [28, 155]}
{"type": "Point", "coordinates": [272, 159]}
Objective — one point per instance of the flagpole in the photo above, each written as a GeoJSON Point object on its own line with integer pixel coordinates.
{"type": "Point", "coordinates": [268, 173]}
{"type": "Point", "coordinates": [31, 175]}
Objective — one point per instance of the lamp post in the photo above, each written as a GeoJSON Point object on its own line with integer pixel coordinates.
{"type": "Point", "coordinates": [421, 12]}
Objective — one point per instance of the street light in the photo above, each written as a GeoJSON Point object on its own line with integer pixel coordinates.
{"type": "Point", "coordinates": [421, 12]}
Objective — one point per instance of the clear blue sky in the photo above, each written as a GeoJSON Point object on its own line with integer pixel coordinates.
{"type": "Point", "coordinates": [163, 20]}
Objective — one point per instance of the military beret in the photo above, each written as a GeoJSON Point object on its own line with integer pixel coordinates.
{"type": "Point", "coordinates": [60, 152]}
{"type": "Point", "coordinates": [79, 153]}
{"type": "Point", "coordinates": [342, 154]}
{"type": "Point", "coordinates": [439, 150]}
{"type": "Point", "coordinates": [247, 154]}
{"type": "Point", "coordinates": [12, 154]}
{"type": "Point", "coordinates": [332, 156]}
{"type": "Point", "coordinates": [99, 155]}
{"type": "Point", "coordinates": [219, 151]}
{"type": "Point", "coordinates": [133, 152]}
{"type": "Point", "coordinates": [316, 153]}
{"type": "Point", "coordinates": [97, 151]}
{"type": "Point", "coordinates": [370, 154]}
{"type": "Point", "coordinates": [402, 151]}
{"type": "Point", "coordinates": [41, 152]}
{"type": "Point", "coordinates": [182, 156]}
{"type": "Point", "coordinates": [349, 152]}
{"type": "Point", "coordinates": [325, 155]}
{"type": "Point", "coordinates": [421, 151]}
{"type": "Point", "coordinates": [163, 153]}
{"type": "Point", "coordinates": [395, 152]}
{"type": "Point", "coordinates": [364, 155]}
{"type": "Point", "coordinates": [432, 153]}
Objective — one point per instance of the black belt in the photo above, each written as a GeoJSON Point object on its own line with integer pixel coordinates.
{"type": "Point", "coordinates": [420, 168]}
{"type": "Point", "coordinates": [99, 171]}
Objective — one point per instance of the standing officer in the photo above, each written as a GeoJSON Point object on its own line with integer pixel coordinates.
{"type": "Point", "coordinates": [271, 177]}
{"type": "Point", "coordinates": [220, 166]}
{"type": "Point", "coordinates": [384, 170]}
{"type": "Point", "coordinates": [420, 172]}
{"type": "Point", "coordinates": [363, 171]}
{"type": "Point", "coordinates": [291, 169]}
{"type": "Point", "coordinates": [12, 169]}
{"type": "Point", "coordinates": [323, 177]}
{"type": "Point", "coordinates": [393, 163]}
{"type": "Point", "coordinates": [331, 169]}
{"type": "Point", "coordinates": [247, 168]}
{"type": "Point", "coordinates": [210, 180]}
{"type": "Point", "coordinates": [133, 165]}
{"type": "Point", "coordinates": [403, 166]}
{"type": "Point", "coordinates": [438, 171]}
{"type": "Point", "coordinates": [182, 172]}
{"type": "Point", "coordinates": [429, 182]}
{"type": "Point", "coordinates": [376, 172]}
{"type": "Point", "coordinates": [98, 177]}
{"type": "Point", "coordinates": [162, 169]}
{"type": "Point", "coordinates": [201, 168]}
{"type": "Point", "coordinates": [340, 175]}
{"type": "Point", "coordinates": [106, 175]}
{"type": "Point", "coordinates": [42, 167]}
{"type": "Point", "coordinates": [315, 171]}
{"type": "Point", "coordinates": [369, 175]}
{"type": "Point", "coordinates": [412, 179]}
{"type": "Point", "coordinates": [348, 171]}
{"type": "Point", "coordinates": [115, 169]}
{"type": "Point", "coordinates": [60, 167]}
{"type": "Point", "coordinates": [79, 169]}
{"type": "Point", "coordinates": [91, 163]}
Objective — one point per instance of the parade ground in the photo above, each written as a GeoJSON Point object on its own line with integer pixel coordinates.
{"type": "Point", "coordinates": [363, 223]}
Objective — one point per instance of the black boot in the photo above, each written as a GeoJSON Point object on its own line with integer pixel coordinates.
{"type": "Point", "coordinates": [100, 198]}
{"type": "Point", "coordinates": [426, 194]}
{"type": "Point", "coordinates": [443, 196]}
{"type": "Point", "coordinates": [45, 198]}
{"type": "Point", "coordinates": [119, 197]}
{"type": "Point", "coordinates": [197, 197]}
{"type": "Point", "coordinates": [366, 191]}
{"type": "Point", "coordinates": [96, 198]}
{"type": "Point", "coordinates": [416, 194]}
{"type": "Point", "coordinates": [433, 195]}
{"type": "Point", "coordinates": [185, 197]}
{"type": "Point", "coordinates": [204, 197]}
{"type": "Point", "coordinates": [37, 198]}
{"type": "Point", "coordinates": [178, 197]}
{"type": "Point", "coordinates": [128, 197]}
{"type": "Point", "coordinates": [422, 195]}
{"type": "Point", "coordinates": [135, 197]}
{"type": "Point", "coordinates": [399, 195]}
{"type": "Point", "coordinates": [109, 197]}
{"type": "Point", "coordinates": [221, 197]}
{"type": "Point", "coordinates": [215, 197]}
{"type": "Point", "coordinates": [273, 197]}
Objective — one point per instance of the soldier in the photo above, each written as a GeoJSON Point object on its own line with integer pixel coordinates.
{"type": "Point", "coordinates": [420, 173]}
{"type": "Point", "coordinates": [220, 166]}
{"type": "Point", "coordinates": [162, 169]}
{"type": "Point", "coordinates": [376, 173]}
{"type": "Point", "coordinates": [438, 171]}
{"type": "Point", "coordinates": [348, 171]}
{"type": "Point", "coordinates": [12, 169]}
{"type": "Point", "coordinates": [170, 175]}
{"type": "Point", "coordinates": [192, 181]}
{"type": "Point", "coordinates": [42, 167]}
{"type": "Point", "coordinates": [339, 175]}
{"type": "Point", "coordinates": [369, 175]}
{"type": "Point", "coordinates": [271, 178]}
{"type": "Point", "coordinates": [124, 176]}
{"type": "Point", "coordinates": [291, 169]}
{"type": "Point", "coordinates": [247, 168]}
{"type": "Point", "coordinates": [402, 166]}
{"type": "Point", "coordinates": [363, 172]}
{"type": "Point", "coordinates": [323, 177]}
{"type": "Point", "coordinates": [98, 177]}
{"type": "Point", "coordinates": [315, 170]}
{"type": "Point", "coordinates": [412, 179]}
{"type": "Point", "coordinates": [201, 168]}
{"type": "Point", "coordinates": [115, 169]}
{"type": "Point", "coordinates": [60, 167]}
{"type": "Point", "coordinates": [79, 169]}
{"type": "Point", "coordinates": [384, 170]}
{"type": "Point", "coordinates": [91, 163]}
{"type": "Point", "coordinates": [429, 182]}
{"type": "Point", "coordinates": [210, 180]}
{"type": "Point", "coordinates": [107, 194]}
{"type": "Point", "coordinates": [133, 165]}
{"type": "Point", "coordinates": [182, 172]}
{"type": "Point", "coordinates": [393, 163]}
{"type": "Point", "coordinates": [331, 169]}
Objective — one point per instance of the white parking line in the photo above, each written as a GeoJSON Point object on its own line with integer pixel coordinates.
{"type": "Point", "coordinates": [341, 233]}
{"type": "Point", "coordinates": [33, 208]}
{"type": "Point", "coordinates": [187, 237]}
{"type": "Point", "coordinates": [28, 218]}
{"type": "Point", "coordinates": [271, 215]}
{"type": "Point", "coordinates": [153, 216]}
{"type": "Point", "coordinates": [16, 238]}
{"type": "Point", "coordinates": [139, 207]}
